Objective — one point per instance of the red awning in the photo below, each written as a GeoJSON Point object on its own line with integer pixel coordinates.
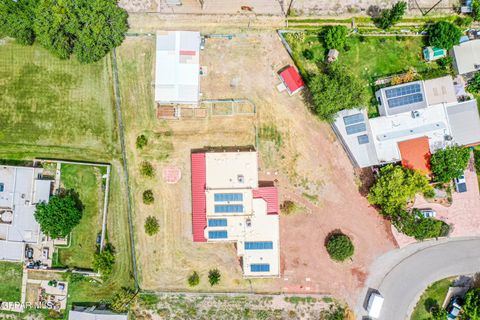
{"type": "Point", "coordinates": [199, 202]}
{"type": "Point", "coordinates": [270, 195]}
{"type": "Point", "coordinates": [292, 79]}
{"type": "Point", "coordinates": [416, 154]}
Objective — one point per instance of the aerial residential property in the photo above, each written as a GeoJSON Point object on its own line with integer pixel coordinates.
{"type": "Point", "coordinates": [229, 204]}
{"type": "Point", "coordinates": [467, 57]}
{"type": "Point", "coordinates": [416, 119]}
{"type": "Point", "coordinates": [21, 189]}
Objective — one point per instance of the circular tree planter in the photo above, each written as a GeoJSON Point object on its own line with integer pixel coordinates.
{"type": "Point", "coordinates": [339, 246]}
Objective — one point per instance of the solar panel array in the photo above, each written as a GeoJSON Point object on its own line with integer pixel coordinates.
{"type": "Point", "coordinates": [363, 139]}
{"type": "Point", "coordinates": [217, 235]}
{"type": "Point", "coordinates": [405, 95]}
{"type": "Point", "coordinates": [217, 222]}
{"type": "Point", "coordinates": [356, 128]}
{"type": "Point", "coordinates": [352, 119]}
{"type": "Point", "coordinates": [355, 123]}
{"type": "Point", "coordinates": [228, 208]}
{"type": "Point", "coordinates": [260, 268]}
{"type": "Point", "coordinates": [226, 197]}
{"type": "Point", "coordinates": [258, 245]}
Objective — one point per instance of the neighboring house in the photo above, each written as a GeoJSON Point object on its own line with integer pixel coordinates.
{"type": "Point", "coordinates": [466, 57]}
{"type": "Point", "coordinates": [291, 79]}
{"type": "Point", "coordinates": [21, 189]}
{"type": "Point", "coordinates": [434, 53]}
{"type": "Point", "coordinates": [94, 313]}
{"type": "Point", "coordinates": [177, 68]}
{"type": "Point", "coordinates": [228, 205]}
{"type": "Point", "coordinates": [417, 118]}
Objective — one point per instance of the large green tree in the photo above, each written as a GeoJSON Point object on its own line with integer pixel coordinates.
{"type": "Point", "coordinates": [335, 37]}
{"type": "Point", "coordinates": [443, 34]}
{"type": "Point", "coordinates": [476, 10]}
{"type": "Point", "coordinates": [60, 215]}
{"type": "Point", "coordinates": [16, 19]}
{"type": "Point", "coordinates": [390, 17]}
{"type": "Point", "coordinates": [395, 186]}
{"type": "Point", "coordinates": [449, 163]}
{"type": "Point", "coordinates": [471, 308]}
{"type": "Point", "coordinates": [336, 89]}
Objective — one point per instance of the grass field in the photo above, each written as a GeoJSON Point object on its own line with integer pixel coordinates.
{"type": "Point", "coordinates": [434, 295]}
{"type": "Point", "coordinates": [10, 281]}
{"type": "Point", "coordinates": [87, 181]}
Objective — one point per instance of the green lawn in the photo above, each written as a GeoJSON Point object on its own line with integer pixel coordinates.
{"type": "Point", "coordinates": [10, 281]}
{"type": "Point", "coordinates": [434, 295]}
{"type": "Point", "coordinates": [87, 181]}
{"type": "Point", "coordinates": [49, 103]}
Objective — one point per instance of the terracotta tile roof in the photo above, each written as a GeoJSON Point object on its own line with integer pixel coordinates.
{"type": "Point", "coordinates": [416, 154]}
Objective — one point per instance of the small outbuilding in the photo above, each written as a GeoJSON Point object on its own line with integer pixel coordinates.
{"type": "Point", "coordinates": [332, 55]}
{"type": "Point", "coordinates": [434, 53]}
{"type": "Point", "coordinates": [291, 79]}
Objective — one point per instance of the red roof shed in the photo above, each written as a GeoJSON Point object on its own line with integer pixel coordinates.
{"type": "Point", "coordinates": [292, 80]}
{"type": "Point", "coordinates": [199, 201]}
{"type": "Point", "coordinates": [270, 195]}
{"type": "Point", "coordinates": [416, 154]}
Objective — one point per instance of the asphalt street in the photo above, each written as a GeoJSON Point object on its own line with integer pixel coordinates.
{"type": "Point", "coordinates": [402, 275]}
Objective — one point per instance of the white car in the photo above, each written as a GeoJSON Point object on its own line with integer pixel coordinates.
{"type": "Point", "coordinates": [375, 303]}
{"type": "Point", "coordinates": [428, 213]}
{"type": "Point", "coordinates": [460, 184]}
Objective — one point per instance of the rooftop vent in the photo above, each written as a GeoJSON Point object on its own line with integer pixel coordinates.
{"type": "Point", "coordinates": [240, 178]}
{"type": "Point", "coordinates": [415, 114]}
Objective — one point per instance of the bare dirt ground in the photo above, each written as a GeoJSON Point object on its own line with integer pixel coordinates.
{"type": "Point", "coordinates": [300, 153]}
{"type": "Point", "coordinates": [279, 7]}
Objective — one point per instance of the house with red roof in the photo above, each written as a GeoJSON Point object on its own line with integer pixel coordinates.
{"type": "Point", "coordinates": [228, 205]}
{"type": "Point", "coordinates": [291, 79]}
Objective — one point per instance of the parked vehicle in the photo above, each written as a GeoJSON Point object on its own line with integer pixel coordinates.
{"type": "Point", "coordinates": [28, 253]}
{"type": "Point", "coordinates": [454, 308]}
{"type": "Point", "coordinates": [375, 303]}
{"type": "Point", "coordinates": [202, 43]}
{"type": "Point", "coordinates": [428, 213]}
{"type": "Point", "coordinates": [460, 184]}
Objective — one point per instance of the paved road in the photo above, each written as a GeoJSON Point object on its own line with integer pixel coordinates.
{"type": "Point", "coordinates": [402, 275]}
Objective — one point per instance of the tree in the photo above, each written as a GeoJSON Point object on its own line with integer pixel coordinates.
{"type": "Point", "coordinates": [474, 84]}
{"type": "Point", "coordinates": [335, 37]}
{"type": "Point", "coordinates": [103, 261]}
{"type": "Point", "coordinates": [390, 17]}
{"type": "Point", "coordinates": [334, 90]}
{"type": "Point", "coordinates": [151, 226]}
{"type": "Point", "coordinates": [193, 279]}
{"type": "Point", "coordinates": [121, 300]}
{"type": "Point", "coordinates": [476, 10]}
{"type": "Point", "coordinates": [395, 186]}
{"type": "Point", "coordinates": [414, 224]}
{"type": "Point", "coordinates": [148, 197]}
{"type": "Point", "coordinates": [214, 277]}
{"type": "Point", "coordinates": [146, 169]}
{"type": "Point", "coordinates": [471, 308]}
{"type": "Point", "coordinates": [60, 215]}
{"type": "Point", "coordinates": [141, 141]}
{"type": "Point", "coordinates": [443, 34]}
{"type": "Point", "coordinates": [16, 20]}
{"type": "Point", "coordinates": [339, 247]}
{"type": "Point", "coordinates": [449, 163]}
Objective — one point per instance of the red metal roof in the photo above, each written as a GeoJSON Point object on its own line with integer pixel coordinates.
{"type": "Point", "coordinates": [292, 79]}
{"type": "Point", "coordinates": [199, 202]}
{"type": "Point", "coordinates": [270, 195]}
{"type": "Point", "coordinates": [187, 52]}
{"type": "Point", "coordinates": [416, 154]}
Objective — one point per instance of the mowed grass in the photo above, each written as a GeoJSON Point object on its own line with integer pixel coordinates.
{"type": "Point", "coordinates": [10, 281]}
{"type": "Point", "coordinates": [87, 181]}
{"type": "Point", "coordinates": [51, 103]}
{"type": "Point", "coordinates": [434, 295]}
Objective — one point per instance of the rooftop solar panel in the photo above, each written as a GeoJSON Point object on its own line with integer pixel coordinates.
{"type": "Point", "coordinates": [403, 91]}
{"type": "Point", "coordinates": [217, 222]}
{"type": "Point", "coordinates": [260, 267]}
{"type": "Point", "coordinates": [226, 197]}
{"type": "Point", "coordinates": [228, 208]}
{"type": "Point", "coordinates": [356, 128]}
{"type": "Point", "coordinates": [405, 100]}
{"type": "Point", "coordinates": [363, 139]}
{"type": "Point", "coordinates": [352, 119]}
{"type": "Point", "coordinates": [259, 245]}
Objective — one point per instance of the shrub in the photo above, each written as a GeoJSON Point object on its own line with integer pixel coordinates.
{"type": "Point", "coordinates": [214, 277]}
{"type": "Point", "coordinates": [307, 54]}
{"type": "Point", "coordinates": [151, 226]}
{"type": "Point", "coordinates": [193, 279]}
{"type": "Point", "coordinates": [445, 63]}
{"type": "Point", "coordinates": [141, 141]}
{"type": "Point", "coordinates": [334, 37]}
{"type": "Point", "coordinates": [103, 261]}
{"type": "Point", "coordinates": [147, 170]}
{"type": "Point", "coordinates": [476, 155]}
{"type": "Point", "coordinates": [476, 10]}
{"type": "Point", "coordinates": [288, 207]}
{"type": "Point", "coordinates": [339, 247]}
{"type": "Point", "coordinates": [463, 22]}
{"type": "Point", "coordinates": [414, 224]}
{"type": "Point", "coordinates": [449, 163]}
{"type": "Point", "coordinates": [148, 197]}
{"type": "Point", "coordinates": [474, 84]}
{"type": "Point", "coordinates": [443, 34]}
{"type": "Point", "coordinates": [471, 308]}
{"type": "Point", "coordinates": [122, 299]}
{"type": "Point", "coordinates": [60, 215]}
{"type": "Point", "coordinates": [390, 17]}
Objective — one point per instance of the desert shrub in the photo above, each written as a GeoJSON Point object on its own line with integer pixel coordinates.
{"type": "Point", "coordinates": [122, 299]}
{"type": "Point", "coordinates": [103, 261]}
{"type": "Point", "coordinates": [147, 170]}
{"type": "Point", "coordinates": [193, 279]}
{"type": "Point", "coordinates": [288, 207]}
{"type": "Point", "coordinates": [141, 142]}
{"type": "Point", "coordinates": [151, 226]}
{"type": "Point", "coordinates": [414, 224]}
{"type": "Point", "coordinates": [339, 247]}
{"type": "Point", "coordinates": [214, 277]}
{"type": "Point", "coordinates": [148, 197]}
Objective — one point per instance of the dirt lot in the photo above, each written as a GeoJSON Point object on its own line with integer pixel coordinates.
{"type": "Point", "coordinates": [297, 151]}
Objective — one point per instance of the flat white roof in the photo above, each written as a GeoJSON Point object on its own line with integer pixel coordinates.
{"type": "Point", "coordinates": [96, 315]}
{"type": "Point", "coordinates": [229, 170]}
{"type": "Point", "coordinates": [465, 122]}
{"type": "Point", "coordinates": [440, 90]}
{"type": "Point", "coordinates": [11, 251]}
{"type": "Point", "coordinates": [177, 67]}
{"type": "Point", "coordinates": [467, 56]}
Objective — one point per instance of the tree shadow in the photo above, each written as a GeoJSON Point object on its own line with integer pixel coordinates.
{"type": "Point", "coordinates": [431, 305]}
{"type": "Point", "coordinates": [61, 192]}
{"type": "Point", "coordinates": [374, 11]}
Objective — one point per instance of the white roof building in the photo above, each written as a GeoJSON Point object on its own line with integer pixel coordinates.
{"type": "Point", "coordinates": [92, 313]}
{"type": "Point", "coordinates": [20, 191]}
{"type": "Point", "coordinates": [467, 56]}
{"type": "Point", "coordinates": [234, 208]}
{"type": "Point", "coordinates": [421, 109]}
{"type": "Point", "coordinates": [177, 67]}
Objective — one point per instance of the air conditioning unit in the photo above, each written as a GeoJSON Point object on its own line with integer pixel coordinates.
{"type": "Point", "coordinates": [415, 114]}
{"type": "Point", "coordinates": [477, 66]}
